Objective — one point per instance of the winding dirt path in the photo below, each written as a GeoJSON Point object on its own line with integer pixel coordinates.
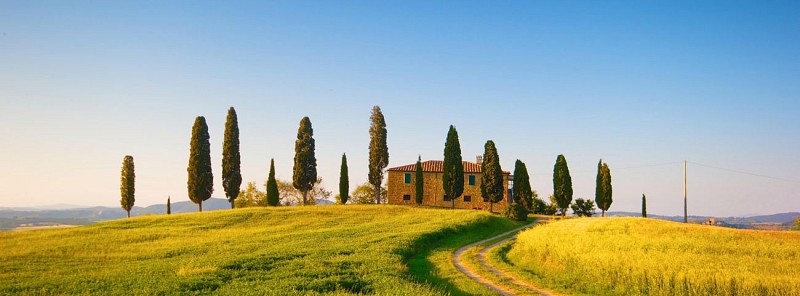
{"type": "Point", "coordinates": [499, 288]}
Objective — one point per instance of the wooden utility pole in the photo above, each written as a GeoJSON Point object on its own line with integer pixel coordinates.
{"type": "Point", "coordinates": [685, 216]}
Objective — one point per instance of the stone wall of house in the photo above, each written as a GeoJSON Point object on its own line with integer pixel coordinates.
{"type": "Point", "coordinates": [434, 193]}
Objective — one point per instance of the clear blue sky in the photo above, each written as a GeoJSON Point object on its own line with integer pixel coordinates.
{"type": "Point", "coordinates": [635, 83]}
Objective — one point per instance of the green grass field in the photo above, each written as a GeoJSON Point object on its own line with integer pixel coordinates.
{"type": "Point", "coordinates": [285, 250]}
{"type": "Point", "coordinates": [634, 256]}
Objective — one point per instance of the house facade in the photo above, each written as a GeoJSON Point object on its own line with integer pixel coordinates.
{"type": "Point", "coordinates": [401, 186]}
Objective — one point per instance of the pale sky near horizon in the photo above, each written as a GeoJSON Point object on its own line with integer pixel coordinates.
{"type": "Point", "coordinates": [643, 86]}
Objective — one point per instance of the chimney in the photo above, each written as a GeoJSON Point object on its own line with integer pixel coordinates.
{"type": "Point", "coordinates": [479, 159]}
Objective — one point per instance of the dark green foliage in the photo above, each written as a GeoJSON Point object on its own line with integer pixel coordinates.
{"type": "Point", "coordinates": [169, 206]}
{"type": "Point", "coordinates": [516, 211]}
{"type": "Point", "coordinates": [273, 197]}
{"type": "Point", "coordinates": [419, 182]}
{"type": "Point", "coordinates": [378, 150]}
{"type": "Point", "coordinates": [453, 167]}
{"type": "Point", "coordinates": [562, 184]}
{"type": "Point", "coordinates": [523, 194]}
{"type": "Point", "coordinates": [539, 206]}
{"type": "Point", "coordinates": [127, 185]}
{"type": "Point", "coordinates": [603, 190]}
{"type": "Point", "coordinates": [491, 175]}
{"type": "Point", "coordinates": [583, 207]}
{"type": "Point", "coordinates": [644, 206]}
{"type": "Point", "coordinates": [231, 158]}
{"type": "Point", "coordinates": [344, 182]}
{"type": "Point", "coordinates": [201, 180]}
{"type": "Point", "coordinates": [305, 163]}
{"type": "Point", "coordinates": [552, 207]}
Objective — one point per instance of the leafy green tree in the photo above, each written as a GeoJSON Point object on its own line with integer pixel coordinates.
{"type": "Point", "coordinates": [273, 197]}
{"type": "Point", "coordinates": [539, 206]}
{"type": "Point", "coordinates": [378, 150]}
{"type": "Point", "coordinates": [552, 207]}
{"type": "Point", "coordinates": [169, 206]}
{"type": "Point", "coordinates": [231, 158]}
{"type": "Point", "coordinates": [365, 194]}
{"type": "Point", "coordinates": [603, 190]}
{"type": "Point", "coordinates": [127, 185]}
{"type": "Point", "coordinates": [583, 207]}
{"type": "Point", "coordinates": [562, 184]}
{"type": "Point", "coordinates": [523, 194]}
{"type": "Point", "coordinates": [251, 197]}
{"type": "Point", "coordinates": [344, 182]}
{"type": "Point", "coordinates": [516, 211]}
{"type": "Point", "coordinates": [291, 196]}
{"type": "Point", "coordinates": [491, 175]}
{"type": "Point", "coordinates": [305, 163]}
{"type": "Point", "coordinates": [453, 168]}
{"type": "Point", "coordinates": [797, 224]}
{"type": "Point", "coordinates": [419, 182]}
{"type": "Point", "coordinates": [201, 180]}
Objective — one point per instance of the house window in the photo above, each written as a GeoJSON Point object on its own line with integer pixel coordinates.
{"type": "Point", "coordinates": [408, 178]}
{"type": "Point", "coordinates": [446, 198]}
{"type": "Point", "coordinates": [406, 196]}
{"type": "Point", "coordinates": [472, 180]}
{"type": "Point", "coordinates": [467, 198]}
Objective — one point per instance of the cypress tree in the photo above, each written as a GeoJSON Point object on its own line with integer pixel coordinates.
{"type": "Point", "coordinates": [127, 185]}
{"type": "Point", "coordinates": [523, 194]}
{"type": "Point", "coordinates": [491, 175]}
{"type": "Point", "coordinates": [344, 181]}
{"type": "Point", "coordinates": [419, 182]}
{"type": "Point", "coordinates": [231, 159]}
{"type": "Point", "coordinates": [453, 167]}
{"type": "Point", "coordinates": [562, 184]}
{"type": "Point", "coordinates": [169, 206]}
{"type": "Point", "coordinates": [603, 190]}
{"type": "Point", "coordinates": [644, 206]}
{"type": "Point", "coordinates": [273, 196]}
{"type": "Point", "coordinates": [305, 163]}
{"type": "Point", "coordinates": [200, 183]}
{"type": "Point", "coordinates": [378, 150]}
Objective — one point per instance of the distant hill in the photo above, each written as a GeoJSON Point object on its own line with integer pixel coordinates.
{"type": "Point", "coordinates": [735, 222]}
{"type": "Point", "coordinates": [10, 218]}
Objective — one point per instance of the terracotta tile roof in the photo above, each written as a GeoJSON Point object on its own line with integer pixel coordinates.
{"type": "Point", "coordinates": [435, 166]}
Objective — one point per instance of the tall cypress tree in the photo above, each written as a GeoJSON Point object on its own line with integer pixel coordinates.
{"type": "Point", "coordinates": [644, 206]}
{"type": "Point", "coordinates": [127, 185]}
{"type": "Point", "coordinates": [419, 182]}
{"type": "Point", "coordinates": [344, 181]}
{"type": "Point", "coordinates": [491, 175]}
{"type": "Point", "coordinates": [305, 163]}
{"type": "Point", "coordinates": [562, 184]}
{"type": "Point", "coordinates": [603, 191]}
{"type": "Point", "coordinates": [523, 194]}
{"type": "Point", "coordinates": [200, 183]}
{"type": "Point", "coordinates": [231, 159]}
{"type": "Point", "coordinates": [273, 196]}
{"type": "Point", "coordinates": [169, 206]}
{"type": "Point", "coordinates": [453, 167]}
{"type": "Point", "coordinates": [378, 150]}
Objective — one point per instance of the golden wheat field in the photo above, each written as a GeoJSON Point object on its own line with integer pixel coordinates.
{"type": "Point", "coordinates": [635, 256]}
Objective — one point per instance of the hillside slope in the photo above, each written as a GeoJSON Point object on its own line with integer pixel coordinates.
{"type": "Point", "coordinates": [635, 256]}
{"type": "Point", "coordinates": [285, 250]}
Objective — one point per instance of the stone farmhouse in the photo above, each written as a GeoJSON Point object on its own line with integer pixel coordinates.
{"type": "Point", "coordinates": [401, 186]}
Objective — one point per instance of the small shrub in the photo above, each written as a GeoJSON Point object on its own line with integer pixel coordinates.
{"type": "Point", "coordinates": [516, 211]}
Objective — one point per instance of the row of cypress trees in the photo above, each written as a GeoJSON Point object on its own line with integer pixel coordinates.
{"type": "Point", "coordinates": [200, 181]}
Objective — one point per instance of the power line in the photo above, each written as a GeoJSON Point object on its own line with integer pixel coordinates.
{"type": "Point", "coordinates": [744, 173]}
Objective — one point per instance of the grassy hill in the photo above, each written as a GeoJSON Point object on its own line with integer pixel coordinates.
{"type": "Point", "coordinates": [634, 256]}
{"type": "Point", "coordinates": [264, 251]}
